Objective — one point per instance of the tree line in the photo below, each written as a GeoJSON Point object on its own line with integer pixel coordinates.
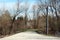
{"type": "Point", "coordinates": [46, 18]}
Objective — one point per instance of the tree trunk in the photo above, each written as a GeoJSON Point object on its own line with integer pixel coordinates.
{"type": "Point", "coordinates": [47, 20]}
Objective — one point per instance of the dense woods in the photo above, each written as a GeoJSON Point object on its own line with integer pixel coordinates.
{"type": "Point", "coordinates": [46, 18]}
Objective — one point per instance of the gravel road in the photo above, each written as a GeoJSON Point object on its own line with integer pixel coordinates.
{"type": "Point", "coordinates": [29, 36]}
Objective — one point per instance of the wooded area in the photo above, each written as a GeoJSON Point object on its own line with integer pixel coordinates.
{"type": "Point", "coordinates": [46, 18]}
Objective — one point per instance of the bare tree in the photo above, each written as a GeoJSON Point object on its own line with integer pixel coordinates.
{"type": "Point", "coordinates": [26, 7]}
{"type": "Point", "coordinates": [55, 5]}
{"type": "Point", "coordinates": [18, 11]}
{"type": "Point", "coordinates": [34, 16]}
{"type": "Point", "coordinates": [44, 7]}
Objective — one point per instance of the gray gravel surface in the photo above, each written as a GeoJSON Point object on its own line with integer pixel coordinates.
{"type": "Point", "coordinates": [28, 35]}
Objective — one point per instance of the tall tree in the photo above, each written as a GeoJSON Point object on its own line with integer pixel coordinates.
{"type": "Point", "coordinates": [44, 6]}
{"type": "Point", "coordinates": [18, 11]}
{"type": "Point", "coordinates": [34, 16]}
{"type": "Point", "coordinates": [55, 5]}
{"type": "Point", "coordinates": [26, 7]}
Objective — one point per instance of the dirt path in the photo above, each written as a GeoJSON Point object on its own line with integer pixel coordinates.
{"type": "Point", "coordinates": [29, 36]}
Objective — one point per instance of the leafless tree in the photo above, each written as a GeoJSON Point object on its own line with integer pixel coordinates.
{"type": "Point", "coordinates": [44, 6]}
{"type": "Point", "coordinates": [26, 7]}
{"type": "Point", "coordinates": [55, 6]}
{"type": "Point", "coordinates": [34, 16]}
{"type": "Point", "coordinates": [18, 11]}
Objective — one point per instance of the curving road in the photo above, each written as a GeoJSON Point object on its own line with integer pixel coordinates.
{"type": "Point", "coordinates": [29, 36]}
